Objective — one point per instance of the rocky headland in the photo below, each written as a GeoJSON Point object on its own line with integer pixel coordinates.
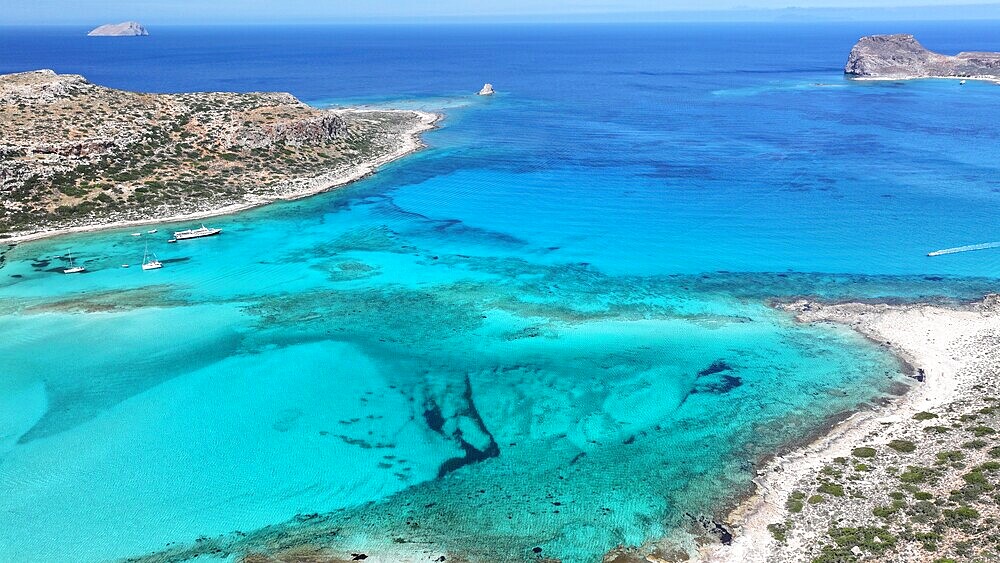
{"type": "Point", "coordinates": [902, 57]}
{"type": "Point", "coordinates": [124, 29]}
{"type": "Point", "coordinates": [77, 156]}
{"type": "Point", "coordinates": [915, 480]}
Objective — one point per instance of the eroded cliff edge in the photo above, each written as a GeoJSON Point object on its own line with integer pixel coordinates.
{"type": "Point", "coordinates": [901, 56]}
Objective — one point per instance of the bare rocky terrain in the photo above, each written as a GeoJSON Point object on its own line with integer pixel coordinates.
{"type": "Point", "coordinates": [124, 29]}
{"type": "Point", "coordinates": [74, 154]}
{"type": "Point", "coordinates": [901, 56]}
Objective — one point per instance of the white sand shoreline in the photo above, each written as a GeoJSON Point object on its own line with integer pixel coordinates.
{"type": "Point", "coordinates": [319, 184]}
{"type": "Point", "coordinates": [924, 336]}
{"type": "Point", "coordinates": [992, 79]}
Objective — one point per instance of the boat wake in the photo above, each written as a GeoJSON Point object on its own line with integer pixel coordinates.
{"type": "Point", "coordinates": [969, 248]}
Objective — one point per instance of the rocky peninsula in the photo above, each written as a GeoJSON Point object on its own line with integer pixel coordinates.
{"type": "Point", "coordinates": [77, 156]}
{"type": "Point", "coordinates": [124, 29]}
{"type": "Point", "coordinates": [917, 479]}
{"type": "Point", "coordinates": [902, 57]}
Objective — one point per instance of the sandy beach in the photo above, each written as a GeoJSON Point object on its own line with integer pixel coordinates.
{"type": "Point", "coordinates": [991, 79]}
{"type": "Point", "coordinates": [955, 349]}
{"type": "Point", "coordinates": [293, 189]}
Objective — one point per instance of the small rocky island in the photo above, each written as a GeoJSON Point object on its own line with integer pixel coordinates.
{"type": "Point", "coordinates": [75, 155]}
{"type": "Point", "coordinates": [901, 57]}
{"type": "Point", "coordinates": [124, 29]}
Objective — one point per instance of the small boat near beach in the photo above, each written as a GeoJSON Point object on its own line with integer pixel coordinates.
{"type": "Point", "coordinates": [73, 268]}
{"type": "Point", "coordinates": [151, 231]}
{"type": "Point", "coordinates": [200, 232]}
{"type": "Point", "coordinates": [137, 234]}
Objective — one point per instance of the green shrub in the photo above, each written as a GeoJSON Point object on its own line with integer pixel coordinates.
{"type": "Point", "coordinates": [974, 444]}
{"type": "Point", "coordinates": [923, 512]}
{"type": "Point", "coordinates": [980, 431]}
{"type": "Point", "coordinates": [869, 538]}
{"type": "Point", "coordinates": [963, 517]}
{"type": "Point", "coordinates": [916, 474]}
{"type": "Point", "coordinates": [950, 456]}
{"type": "Point", "coordinates": [885, 512]}
{"type": "Point", "coordinates": [815, 499]}
{"type": "Point", "coordinates": [831, 489]}
{"type": "Point", "coordinates": [863, 452]}
{"type": "Point", "coordinates": [904, 446]}
{"type": "Point", "coordinates": [827, 470]}
{"type": "Point", "coordinates": [780, 531]}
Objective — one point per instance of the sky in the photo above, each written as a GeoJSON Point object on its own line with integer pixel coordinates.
{"type": "Point", "coordinates": [330, 11]}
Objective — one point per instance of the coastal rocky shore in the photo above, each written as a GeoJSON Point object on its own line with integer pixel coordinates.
{"type": "Point", "coordinates": [77, 156]}
{"type": "Point", "coordinates": [901, 57]}
{"type": "Point", "coordinates": [915, 480]}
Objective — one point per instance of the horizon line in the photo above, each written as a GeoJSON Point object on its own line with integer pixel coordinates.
{"type": "Point", "coordinates": [788, 14]}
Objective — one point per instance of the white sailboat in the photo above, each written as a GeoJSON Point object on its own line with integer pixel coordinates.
{"type": "Point", "coordinates": [73, 268]}
{"type": "Point", "coordinates": [148, 264]}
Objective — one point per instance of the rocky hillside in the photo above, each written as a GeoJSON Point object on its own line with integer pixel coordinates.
{"type": "Point", "coordinates": [902, 56]}
{"type": "Point", "coordinates": [124, 29]}
{"type": "Point", "coordinates": [73, 153]}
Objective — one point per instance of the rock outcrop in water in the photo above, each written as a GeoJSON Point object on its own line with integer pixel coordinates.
{"type": "Point", "coordinates": [901, 56]}
{"type": "Point", "coordinates": [124, 29]}
{"type": "Point", "coordinates": [487, 90]}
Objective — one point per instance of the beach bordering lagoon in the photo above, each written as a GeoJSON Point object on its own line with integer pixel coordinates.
{"type": "Point", "coordinates": [410, 142]}
{"type": "Point", "coordinates": [881, 483]}
{"type": "Point", "coordinates": [79, 156]}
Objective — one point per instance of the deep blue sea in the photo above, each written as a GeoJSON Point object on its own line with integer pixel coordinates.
{"type": "Point", "coordinates": [546, 335]}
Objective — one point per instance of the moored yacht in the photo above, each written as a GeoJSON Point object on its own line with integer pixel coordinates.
{"type": "Point", "coordinates": [148, 264]}
{"type": "Point", "coordinates": [73, 268]}
{"type": "Point", "coordinates": [200, 232]}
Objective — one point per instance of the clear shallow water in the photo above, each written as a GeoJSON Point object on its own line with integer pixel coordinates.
{"type": "Point", "coordinates": [546, 330]}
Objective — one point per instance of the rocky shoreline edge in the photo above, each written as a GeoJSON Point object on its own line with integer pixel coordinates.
{"type": "Point", "coordinates": [410, 143]}
{"type": "Point", "coordinates": [902, 57]}
{"type": "Point", "coordinates": [954, 351]}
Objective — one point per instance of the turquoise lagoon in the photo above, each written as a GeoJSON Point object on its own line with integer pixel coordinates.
{"type": "Point", "coordinates": [548, 330]}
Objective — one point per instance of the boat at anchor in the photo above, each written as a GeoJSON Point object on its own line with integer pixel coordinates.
{"type": "Point", "coordinates": [200, 232]}
{"type": "Point", "coordinates": [148, 264]}
{"type": "Point", "coordinates": [73, 268]}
